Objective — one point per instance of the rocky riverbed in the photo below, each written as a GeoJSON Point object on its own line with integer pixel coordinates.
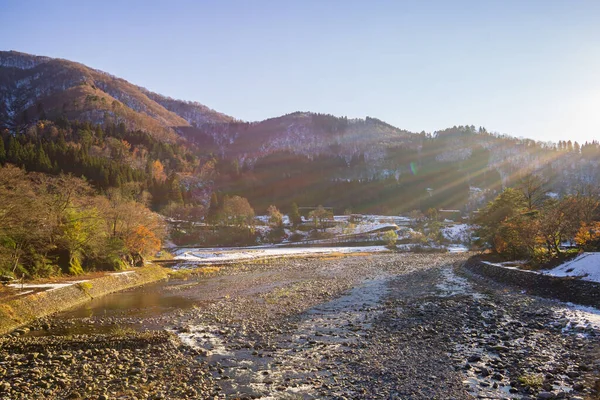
{"type": "Point", "coordinates": [387, 326]}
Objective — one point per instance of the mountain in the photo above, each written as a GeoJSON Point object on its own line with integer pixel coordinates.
{"type": "Point", "coordinates": [32, 87]}
{"type": "Point", "coordinates": [309, 158]}
{"type": "Point", "coordinates": [35, 87]}
{"type": "Point", "coordinates": [301, 133]}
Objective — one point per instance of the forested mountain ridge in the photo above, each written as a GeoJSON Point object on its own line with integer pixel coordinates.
{"type": "Point", "coordinates": [115, 132]}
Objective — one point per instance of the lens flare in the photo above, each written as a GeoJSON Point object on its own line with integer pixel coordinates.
{"type": "Point", "coordinates": [413, 167]}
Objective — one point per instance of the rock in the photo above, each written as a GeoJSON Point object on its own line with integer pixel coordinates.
{"type": "Point", "coordinates": [546, 396]}
{"type": "Point", "coordinates": [474, 358]}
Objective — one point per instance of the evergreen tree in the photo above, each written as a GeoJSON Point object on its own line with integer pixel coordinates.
{"type": "Point", "coordinates": [175, 195]}
{"type": "Point", "coordinates": [2, 152]}
{"type": "Point", "coordinates": [295, 217]}
{"type": "Point", "coordinates": [213, 209]}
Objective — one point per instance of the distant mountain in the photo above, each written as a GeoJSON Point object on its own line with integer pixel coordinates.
{"type": "Point", "coordinates": [301, 133]}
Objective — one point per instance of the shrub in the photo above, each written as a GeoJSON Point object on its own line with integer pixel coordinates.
{"type": "Point", "coordinates": [85, 287]}
{"type": "Point", "coordinates": [296, 237]}
{"type": "Point", "coordinates": [75, 267]}
{"type": "Point", "coordinates": [390, 238]}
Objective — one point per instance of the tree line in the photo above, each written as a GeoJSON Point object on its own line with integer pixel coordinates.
{"type": "Point", "coordinates": [529, 222]}
{"type": "Point", "coordinates": [109, 156]}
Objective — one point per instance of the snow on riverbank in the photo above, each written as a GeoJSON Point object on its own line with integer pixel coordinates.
{"type": "Point", "coordinates": [46, 286]}
{"type": "Point", "coordinates": [586, 266]}
{"type": "Point", "coordinates": [224, 255]}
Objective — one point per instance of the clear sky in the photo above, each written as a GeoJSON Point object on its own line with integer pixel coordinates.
{"type": "Point", "coordinates": [522, 67]}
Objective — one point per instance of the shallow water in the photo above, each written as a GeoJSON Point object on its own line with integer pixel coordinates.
{"type": "Point", "coordinates": [145, 302]}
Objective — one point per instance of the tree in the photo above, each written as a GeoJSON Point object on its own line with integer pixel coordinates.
{"type": "Point", "coordinates": [130, 223]}
{"type": "Point", "coordinates": [237, 211]}
{"type": "Point", "coordinates": [588, 236]}
{"type": "Point", "coordinates": [2, 152]}
{"type": "Point", "coordinates": [558, 221]}
{"type": "Point", "coordinates": [213, 209]}
{"type": "Point", "coordinates": [295, 217]}
{"type": "Point", "coordinates": [533, 188]}
{"type": "Point", "coordinates": [175, 195]}
{"type": "Point", "coordinates": [432, 214]}
{"type": "Point", "coordinates": [158, 171]}
{"type": "Point", "coordinates": [141, 241]}
{"type": "Point", "coordinates": [490, 220]}
{"type": "Point", "coordinates": [24, 228]}
{"type": "Point", "coordinates": [275, 217]}
{"type": "Point", "coordinates": [320, 216]}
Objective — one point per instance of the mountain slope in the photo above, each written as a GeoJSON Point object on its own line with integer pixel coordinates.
{"type": "Point", "coordinates": [33, 86]}
{"type": "Point", "coordinates": [305, 157]}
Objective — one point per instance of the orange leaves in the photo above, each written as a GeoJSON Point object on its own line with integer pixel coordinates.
{"type": "Point", "coordinates": [142, 240]}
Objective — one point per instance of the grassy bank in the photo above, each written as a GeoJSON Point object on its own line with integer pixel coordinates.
{"type": "Point", "coordinates": [20, 311]}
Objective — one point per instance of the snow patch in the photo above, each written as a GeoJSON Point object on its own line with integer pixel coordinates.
{"type": "Point", "coordinates": [586, 266]}
{"type": "Point", "coordinates": [452, 285]}
{"type": "Point", "coordinates": [224, 255]}
{"type": "Point", "coordinates": [47, 286]}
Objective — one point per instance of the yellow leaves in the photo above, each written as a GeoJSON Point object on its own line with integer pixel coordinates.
{"type": "Point", "coordinates": [208, 170]}
{"type": "Point", "coordinates": [158, 171]}
{"type": "Point", "coordinates": [588, 233]}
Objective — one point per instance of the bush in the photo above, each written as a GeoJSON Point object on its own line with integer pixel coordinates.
{"type": "Point", "coordinates": [85, 287]}
{"type": "Point", "coordinates": [390, 238]}
{"type": "Point", "coordinates": [276, 235]}
{"type": "Point", "coordinates": [75, 267]}
{"type": "Point", "coordinates": [296, 237]}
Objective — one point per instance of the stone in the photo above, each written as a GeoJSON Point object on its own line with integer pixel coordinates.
{"type": "Point", "coordinates": [546, 396]}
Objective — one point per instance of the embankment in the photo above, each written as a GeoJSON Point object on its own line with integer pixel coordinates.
{"type": "Point", "coordinates": [20, 311]}
{"type": "Point", "coordinates": [568, 289]}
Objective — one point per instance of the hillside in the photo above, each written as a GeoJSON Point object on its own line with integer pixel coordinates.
{"type": "Point", "coordinates": [33, 87]}
{"type": "Point", "coordinates": [308, 158]}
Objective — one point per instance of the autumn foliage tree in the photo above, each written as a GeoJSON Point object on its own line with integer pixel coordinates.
{"type": "Point", "coordinates": [588, 236]}
{"type": "Point", "coordinates": [237, 211]}
{"type": "Point", "coordinates": [523, 224]}
{"type": "Point", "coordinates": [275, 217]}
{"type": "Point", "coordinates": [51, 225]}
{"type": "Point", "coordinates": [320, 216]}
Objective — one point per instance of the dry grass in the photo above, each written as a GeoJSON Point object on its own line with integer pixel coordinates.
{"type": "Point", "coordinates": [121, 331]}
{"type": "Point", "coordinates": [185, 274]}
{"type": "Point", "coordinates": [532, 380]}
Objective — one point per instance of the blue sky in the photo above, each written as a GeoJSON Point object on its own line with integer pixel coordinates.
{"type": "Point", "coordinates": [525, 68]}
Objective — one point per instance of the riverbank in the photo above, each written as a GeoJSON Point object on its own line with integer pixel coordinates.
{"type": "Point", "coordinates": [564, 288]}
{"type": "Point", "coordinates": [19, 311]}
